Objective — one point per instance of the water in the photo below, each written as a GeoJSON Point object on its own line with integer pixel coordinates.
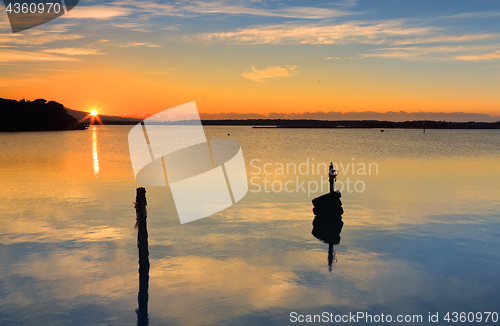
{"type": "Point", "coordinates": [421, 231]}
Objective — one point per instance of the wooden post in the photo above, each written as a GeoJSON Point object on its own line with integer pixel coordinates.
{"type": "Point", "coordinates": [142, 244]}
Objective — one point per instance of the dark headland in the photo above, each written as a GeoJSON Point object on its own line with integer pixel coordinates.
{"type": "Point", "coordinates": [38, 115]}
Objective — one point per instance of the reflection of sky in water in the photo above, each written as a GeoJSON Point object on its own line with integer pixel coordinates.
{"type": "Point", "coordinates": [422, 237]}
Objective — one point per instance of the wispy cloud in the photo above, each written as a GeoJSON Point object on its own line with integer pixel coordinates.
{"type": "Point", "coordinates": [448, 39]}
{"type": "Point", "coordinates": [222, 7]}
{"type": "Point", "coordinates": [390, 32]}
{"type": "Point", "coordinates": [171, 28]}
{"type": "Point", "coordinates": [349, 32]}
{"type": "Point", "coordinates": [98, 12]}
{"type": "Point", "coordinates": [73, 51]}
{"type": "Point", "coordinates": [198, 8]}
{"type": "Point", "coordinates": [136, 27]}
{"type": "Point", "coordinates": [395, 39]}
{"type": "Point", "coordinates": [40, 35]}
{"type": "Point", "coordinates": [459, 52]}
{"type": "Point", "coordinates": [476, 14]}
{"type": "Point", "coordinates": [481, 57]}
{"type": "Point", "coordinates": [16, 81]}
{"type": "Point", "coordinates": [35, 39]}
{"type": "Point", "coordinates": [270, 72]}
{"type": "Point", "coordinates": [24, 56]}
{"type": "Point", "coordinates": [4, 25]}
{"type": "Point", "coordinates": [138, 44]}
{"type": "Point", "coordinates": [152, 8]}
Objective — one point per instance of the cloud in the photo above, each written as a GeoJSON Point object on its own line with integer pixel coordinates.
{"type": "Point", "coordinates": [35, 38]}
{"type": "Point", "coordinates": [139, 44]}
{"type": "Point", "coordinates": [197, 8]}
{"type": "Point", "coordinates": [448, 39]}
{"type": "Point", "coordinates": [132, 26]}
{"type": "Point", "coordinates": [270, 72]}
{"type": "Point", "coordinates": [171, 28]}
{"type": "Point", "coordinates": [481, 57]}
{"type": "Point", "coordinates": [24, 56]}
{"type": "Point", "coordinates": [97, 12]}
{"type": "Point", "coordinates": [73, 51]}
{"type": "Point", "coordinates": [40, 35]}
{"type": "Point", "coordinates": [221, 7]}
{"type": "Point", "coordinates": [153, 8]}
{"type": "Point", "coordinates": [460, 52]}
{"type": "Point", "coordinates": [395, 33]}
{"type": "Point", "coordinates": [9, 82]}
{"type": "Point", "coordinates": [476, 14]}
{"type": "Point", "coordinates": [349, 32]}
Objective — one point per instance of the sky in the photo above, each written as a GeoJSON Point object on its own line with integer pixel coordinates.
{"type": "Point", "coordinates": [348, 59]}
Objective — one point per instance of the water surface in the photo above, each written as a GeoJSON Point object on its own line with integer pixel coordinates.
{"type": "Point", "coordinates": [422, 236]}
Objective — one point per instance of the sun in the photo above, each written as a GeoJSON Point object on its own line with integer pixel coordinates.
{"type": "Point", "coordinates": [92, 115]}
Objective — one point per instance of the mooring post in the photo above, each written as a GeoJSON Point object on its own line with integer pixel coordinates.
{"type": "Point", "coordinates": [141, 224]}
{"type": "Point", "coordinates": [142, 244]}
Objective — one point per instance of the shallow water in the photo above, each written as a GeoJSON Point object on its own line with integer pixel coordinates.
{"type": "Point", "coordinates": [421, 230]}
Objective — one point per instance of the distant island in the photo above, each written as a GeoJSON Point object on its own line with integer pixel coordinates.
{"type": "Point", "coordinates": [37, 115]}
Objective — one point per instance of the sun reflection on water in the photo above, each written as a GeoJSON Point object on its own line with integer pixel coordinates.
{"type": "Point", "coordinates": [94, 151]}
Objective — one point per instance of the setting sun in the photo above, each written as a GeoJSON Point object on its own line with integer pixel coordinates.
{"type": "Point", "coordinates": [93, 112]}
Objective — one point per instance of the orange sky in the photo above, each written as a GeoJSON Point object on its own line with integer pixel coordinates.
{"type": "Point", "coordinates": [249, 59]}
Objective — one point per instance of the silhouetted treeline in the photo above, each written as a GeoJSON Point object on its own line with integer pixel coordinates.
{"type": "Point", "coordinates": [277, 123]}
{"type": "Point", "coordinates": [38, 115]}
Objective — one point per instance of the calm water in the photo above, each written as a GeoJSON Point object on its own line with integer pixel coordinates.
{"type": "Point", "coordinates": [421, 231]}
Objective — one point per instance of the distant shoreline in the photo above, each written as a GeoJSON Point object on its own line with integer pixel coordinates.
{"type": "Point", "coordinates": [40, 115]}
{"type": "Point", "coordinates": [326, 124]}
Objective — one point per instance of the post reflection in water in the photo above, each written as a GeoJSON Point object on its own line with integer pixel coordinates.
{"type": "Point", "coordinates": [95, 157]}
{"type": "Point", "coordinates": [327, 229]}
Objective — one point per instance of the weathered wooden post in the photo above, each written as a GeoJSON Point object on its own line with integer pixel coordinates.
{"type": "Point", "coordinates": [142, 244]}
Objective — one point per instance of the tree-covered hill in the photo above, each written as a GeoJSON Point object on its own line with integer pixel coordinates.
{"type": "Point", "coordinates": [38, 115]}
